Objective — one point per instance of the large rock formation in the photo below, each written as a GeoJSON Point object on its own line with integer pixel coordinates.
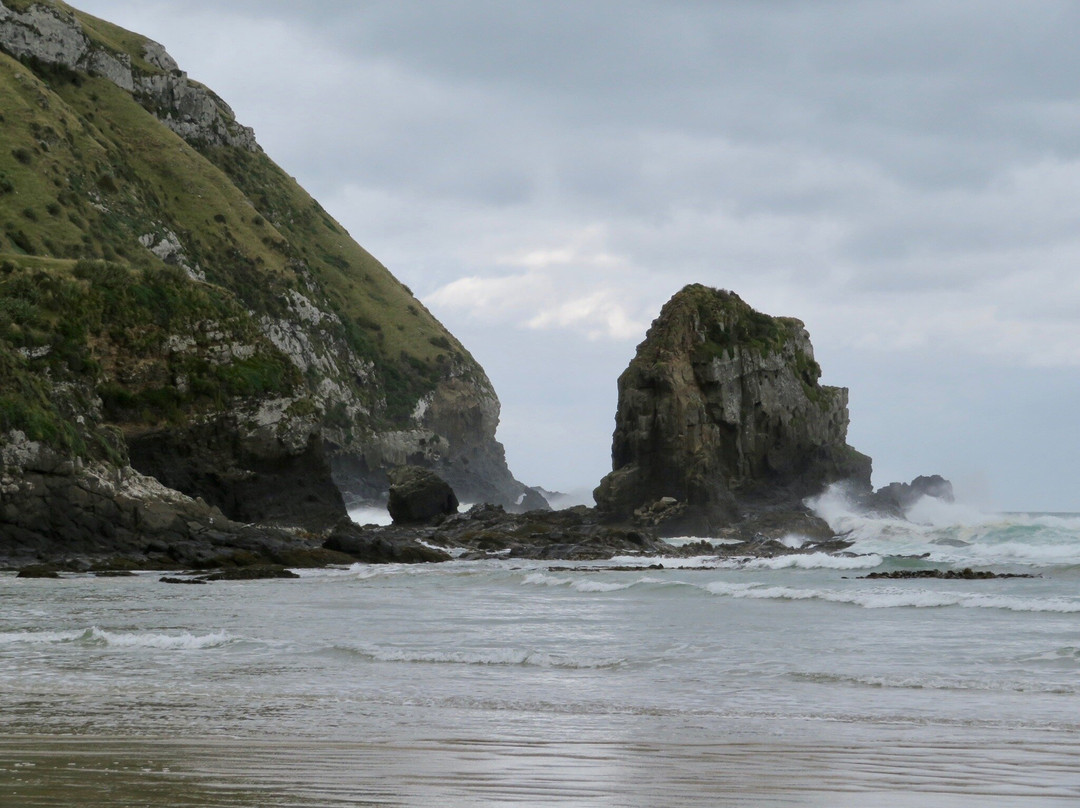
{"type": "Point", "coordinates": [171, 299]}
{"type": "Point", "coordinates": [721, 410]}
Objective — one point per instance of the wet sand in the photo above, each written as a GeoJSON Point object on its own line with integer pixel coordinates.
{"type": "Point", "coordinates": [880, 765]}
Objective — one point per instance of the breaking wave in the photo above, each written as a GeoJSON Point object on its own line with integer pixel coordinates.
{"type": "Point", "coordinates": [1025, 685]}
{"type": "Point", "coordinates": [490, 656]}
{"type": "Point", "coordinates": [888, 597]}
{"type": "Point", "coordinates": [117, 639]}
{"type": "Point", "coordinates": [955, 534]}
{"type": "Point", "coordinates": [815, 561]}
{"type": "Point", "coordinates": [896, 597]}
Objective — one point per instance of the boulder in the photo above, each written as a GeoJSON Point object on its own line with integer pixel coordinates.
{"type": "Point", "coordinates": [418, 495]}
{"type": "Point", "coordinates": [721, 410]}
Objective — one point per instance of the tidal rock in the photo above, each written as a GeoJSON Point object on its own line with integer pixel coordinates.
{"type": "Point", "coordinates": [38, 571]}
{"type": "Point", "coordinates": [380, 546]}
{"type": "Point", "coordinates": [418, 495]}
{"type": "Point", "coordinates": [253, 573]}
{"type": "Point", "coordinates": [966, 574]}
{"type": "Point", "coordinates": [896, 498]}
{"type": "Point", "coordinates": [721, 410]}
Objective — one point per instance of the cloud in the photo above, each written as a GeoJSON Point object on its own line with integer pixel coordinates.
{"type": "Point", "coordinates": [572, 287]}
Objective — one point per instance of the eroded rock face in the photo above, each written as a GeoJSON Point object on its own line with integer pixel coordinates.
{"type": "Point", "coordinates": [453, 434]}
{"type": "Point", "coordinates": [55, 36]}
{"type": "Point", "coordinates": [721, 409]}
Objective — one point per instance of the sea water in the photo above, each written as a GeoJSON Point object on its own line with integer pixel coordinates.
{"type": "Point", "coordinates": [789, 681]}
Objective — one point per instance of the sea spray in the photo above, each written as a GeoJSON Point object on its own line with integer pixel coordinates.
{"type": "Point", "coordinates": [953, 534]}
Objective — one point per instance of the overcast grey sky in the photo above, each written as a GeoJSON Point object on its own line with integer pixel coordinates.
{"type": "Point", "coordinates": [902, 176]}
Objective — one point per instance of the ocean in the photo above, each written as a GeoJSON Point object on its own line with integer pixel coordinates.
{"type": "Point", "coordinates": [788, 681]}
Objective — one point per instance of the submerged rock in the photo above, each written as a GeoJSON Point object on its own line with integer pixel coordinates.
{"type": "Point", "coordinates": [721, 410]}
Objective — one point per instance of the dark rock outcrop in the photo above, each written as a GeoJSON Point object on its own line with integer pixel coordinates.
{"type": "Point", "coordinates": [487, 530]}
{"type": "Point", "coordinates": [57, 510]}
{"type": "Point", "coordinates": [966, 574]}
{"type": "Point", "coordinates": [895, 498]}
{"type": "Point", "coordinates": [381, 546]}
{"type": "Point", "coordinates": [721, 410]}
{"type": "Point", "coordinates": [418, 495]}
{"type": "Point", "coordinates": [250, 477]}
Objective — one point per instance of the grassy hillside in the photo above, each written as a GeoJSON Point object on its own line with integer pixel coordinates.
{"type": "Point", "coordinates": [117, 235]}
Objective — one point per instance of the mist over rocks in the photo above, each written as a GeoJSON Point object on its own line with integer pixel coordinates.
{"type": "Point", "coordinates": [721, 410]}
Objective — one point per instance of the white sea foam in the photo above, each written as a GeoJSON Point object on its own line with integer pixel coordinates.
{"type": "Point", "coordinates": [679, 541]}
{"type": "Point", "coordinates": [39, 637]}
{"type": "Point", "coordinates": [794, 541]}
{"type": "Point", "coordinates": [896, 597]}
{"type": "Point", "coordinates": [578, 584]}
{"type": "Point", "coordinates": [814, 561]}
{"type": "Point", "coordinates": [600, 586]}
{"type": "Point", "coordinates": [184, 641]}
{"type": "Point", "coordinates": [453, 552]}
{"type": "Point", "coordinates": [370, 515]}
{"type": "Point", "coordinates": [543, 579]}
{"type": "Point", "coordinates": [117, 639]}
{"type": "Point", "coordinates": [937, 683]}
{"type": "Point", "coordinates": [487, 656]}
{"type": "Point", "coordinates": [591, 584]}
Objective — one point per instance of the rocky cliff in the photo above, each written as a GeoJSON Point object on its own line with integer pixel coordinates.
{"type": "Point", "coordinates": [721, 416]}
{"type": "Point", "coordinates": [172, 300]}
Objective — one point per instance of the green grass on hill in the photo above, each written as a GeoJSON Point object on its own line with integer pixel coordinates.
{"type": "Point", "coordinates": [86, 171]}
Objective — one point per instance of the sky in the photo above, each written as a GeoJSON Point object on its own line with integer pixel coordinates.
{"type": "Point", "coordinates": [904, 177]}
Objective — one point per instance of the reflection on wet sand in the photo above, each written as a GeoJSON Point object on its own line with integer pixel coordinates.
{"type": "Point", "coordinates": [215, 772]}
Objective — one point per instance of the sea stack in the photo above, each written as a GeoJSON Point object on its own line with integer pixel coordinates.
{"type": "Point", "coordinates": [721, 410]}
